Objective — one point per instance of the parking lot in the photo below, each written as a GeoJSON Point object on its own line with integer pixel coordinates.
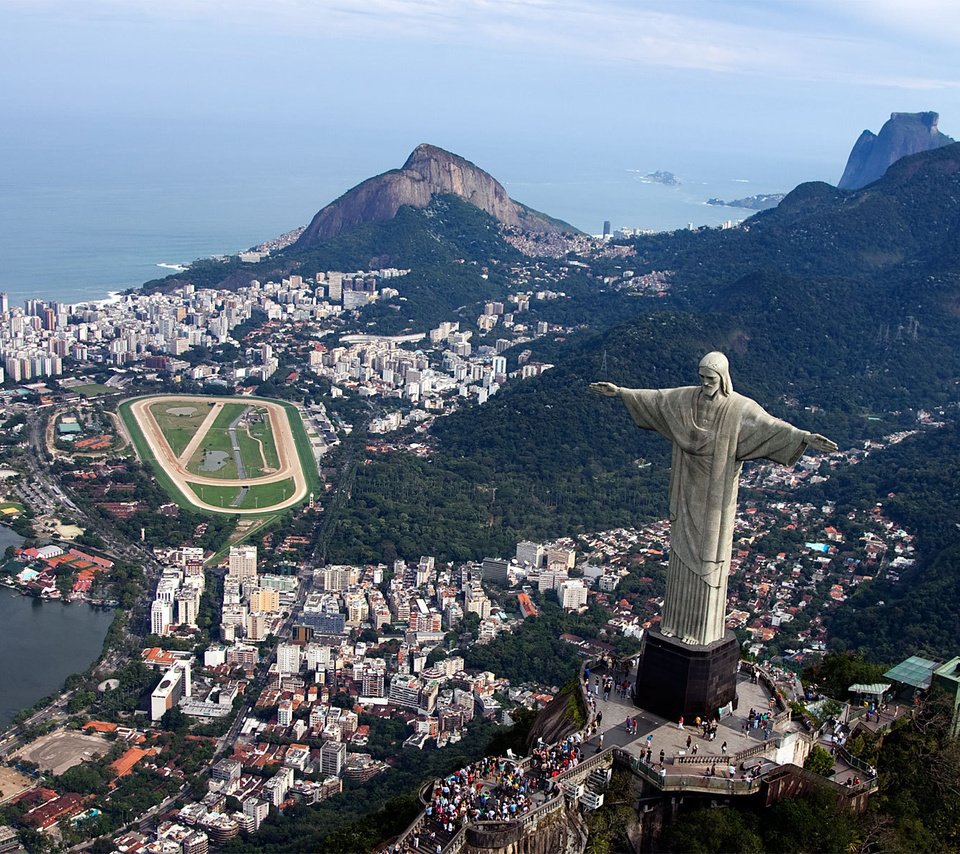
{"type": "Point", "coordinates": [63, 749]}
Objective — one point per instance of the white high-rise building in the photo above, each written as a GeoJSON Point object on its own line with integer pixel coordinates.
{"type": "Point", "coordinates": [335, 286]}
{"type": "Point", "coordinates": [243, 562]}
{"type": "Point", "coordinates": [289, 656]}
{"type": "Point", "coordinates": [257, 809]}
{"type": "Point", "coordinates": [572, 595]}
{"type": "Point", "coordinates": [161, 617]}
{"type": "Point", "coordinates": [531, 553]}
{"type": "Point", "coordinates": [374, 676]}
{"type": "Point", "coordinates": [333, 756]}
{"type": "Point", "coordinates": [176, 683]}
{"type": "Point", "coordinates": [318, 656]}
{"type": "Point", "coordinates": [188, 603]}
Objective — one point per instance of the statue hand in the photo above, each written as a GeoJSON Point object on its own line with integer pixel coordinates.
{"type": "Point", "coordinates": [605, 389]}
{"type": "Point", "coordinates": [821, 443]}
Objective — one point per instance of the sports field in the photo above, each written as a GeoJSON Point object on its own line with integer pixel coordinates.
{"type": "Point", "coordinates": [225, 455]}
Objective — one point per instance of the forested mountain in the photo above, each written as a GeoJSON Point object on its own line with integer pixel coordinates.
{"type": "Point", "coordinates": [445, 245]}
{"type": "Point", "coordinates": [839, 310]}
{"type": "Point", "coordinates": [918, 483]}
{"type": "Point", "coordinates": [818, 303]}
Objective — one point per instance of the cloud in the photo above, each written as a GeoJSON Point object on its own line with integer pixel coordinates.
{"type": "Point", "coordinates": [818, 40]}
{"type": "Point", "coordinates": [933, 22]}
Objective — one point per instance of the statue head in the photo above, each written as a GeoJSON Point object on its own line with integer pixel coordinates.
{"type": "Point", "coordinates": [716, 365]}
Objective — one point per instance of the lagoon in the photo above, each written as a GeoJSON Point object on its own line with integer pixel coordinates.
{"type": "Point", "coordinates": [42, 642]}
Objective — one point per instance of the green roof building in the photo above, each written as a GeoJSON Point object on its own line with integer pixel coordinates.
{"type": "Point", "coordinates": [946, 678]}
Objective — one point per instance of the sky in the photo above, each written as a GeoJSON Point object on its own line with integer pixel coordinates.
{"type": "Point", "coordinates": [538, 78]}
{"type": "Point", "coordinates": [329, 92]}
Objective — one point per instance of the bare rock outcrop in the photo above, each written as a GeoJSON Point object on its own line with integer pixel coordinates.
{"type": "Point", "coordinates": [428, 172]}
{"type": "Point", "coordinates": [902, 134]}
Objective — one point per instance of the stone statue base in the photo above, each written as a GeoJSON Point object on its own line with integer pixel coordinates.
{"type": "Point", "coordinates": [675, 679]}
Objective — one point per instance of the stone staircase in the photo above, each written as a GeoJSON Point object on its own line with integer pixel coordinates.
{"type": "Point", "coordinates": [427, 843]}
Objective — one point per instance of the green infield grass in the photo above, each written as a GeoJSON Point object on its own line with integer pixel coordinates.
{"type": "Point", "coordinates": [216, 447]}
{"type": "Point", "coordinates": [94, 389]}
{"type": "Point", "coordinates": [263, 495]}
{"type": "Point", "coordinates": [177, 424]}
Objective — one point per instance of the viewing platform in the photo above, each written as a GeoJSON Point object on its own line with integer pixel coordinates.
{"type": "Point", "coordinates": [740, 758]}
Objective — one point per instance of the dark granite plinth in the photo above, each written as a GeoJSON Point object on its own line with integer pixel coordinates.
{"type": "Point", "coordinates": [675, 679]}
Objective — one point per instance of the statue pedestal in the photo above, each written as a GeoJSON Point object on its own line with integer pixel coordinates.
{"type": "Point", "coordinates": [675, 679]}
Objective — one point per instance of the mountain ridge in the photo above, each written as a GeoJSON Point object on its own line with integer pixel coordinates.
{"type": "Point", "coordinates": [839, 311]}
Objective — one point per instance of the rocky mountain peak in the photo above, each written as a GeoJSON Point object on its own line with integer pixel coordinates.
{"type": "Point", "coordinates": [901, 134]}
{"type": "Point", "coordinates": [429, 171]}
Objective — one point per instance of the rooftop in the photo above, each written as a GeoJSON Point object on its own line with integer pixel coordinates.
{"type": "Point", "coordinates": [915, 671]}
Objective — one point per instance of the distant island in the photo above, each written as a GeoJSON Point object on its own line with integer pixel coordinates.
{"type": "Point", "coordinates": [759, 202]}
{"type": "Point", "coordinates": [662, 177]}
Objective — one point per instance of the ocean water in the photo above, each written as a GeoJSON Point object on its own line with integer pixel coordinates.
{"type": "Point", "coordinates": [91, 207]}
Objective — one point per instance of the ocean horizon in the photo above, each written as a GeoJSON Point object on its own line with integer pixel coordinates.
{"type": "Point", "coordinates": [98, 213]}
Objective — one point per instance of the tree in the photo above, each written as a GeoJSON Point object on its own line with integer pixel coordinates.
{"type": "Point", "coordinates": [711, 831]}
{"type": "Point", "coordinates": [436, 654]}
{"type": "Point", "coordinates": [174, 720]}
{"type": "Point", "coordinates": [836, 672]}
{"type": "Point", "coordinates": [811, 824]}
{"type": "Point", "coordinates": [34, 841]}
{"type": "Point", "coordinates": [342, 700]}
{"type": "Point", "coordinates": [819, 761]}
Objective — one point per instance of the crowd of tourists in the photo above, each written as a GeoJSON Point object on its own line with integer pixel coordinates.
{"type": "Point", "coordinates": [497, 789]}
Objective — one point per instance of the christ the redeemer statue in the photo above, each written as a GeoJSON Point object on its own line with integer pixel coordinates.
{"type": "Point", "coordinates": [713, 430]}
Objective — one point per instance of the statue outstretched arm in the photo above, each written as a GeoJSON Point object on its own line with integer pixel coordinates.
{"type": "Point", "coordinates": [820, 443]}
{"type": "Point", "coordinates": [605, 389]}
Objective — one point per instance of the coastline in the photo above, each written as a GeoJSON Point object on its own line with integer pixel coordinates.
{"type": "Point", "coordinates": [111, 298]}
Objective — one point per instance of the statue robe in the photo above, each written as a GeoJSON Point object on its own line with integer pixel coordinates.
{"type": "Point", "coordinates": [704, 479]}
